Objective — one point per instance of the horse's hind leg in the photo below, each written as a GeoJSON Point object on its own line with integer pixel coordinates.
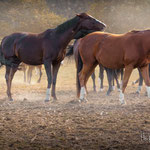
{"type": "Point", "coordinates": [110, 79]}
{"type": "Point", "coordinates": [128, 71]}
{"type": "Point", "coordinates": [83, 78]}
{"type": "Point", "coordinates": [116, 78]}
{"type": "Point", "coordinates": [55, 72]}
{"type": "Point", "coordinates": [101, 76]}
{"type": "Point", "coordinates": [140, 82]}
{"type": "Point", "coordinates": [93, 79]}
{"type": "Point", "coordinates": [29, 74]}
{"type": "Point", "coordinates": [145, 74]}
{"type": "Point", "coordinates": [10, 71]}
{"type": "Point", "coordinates": [40, 74]}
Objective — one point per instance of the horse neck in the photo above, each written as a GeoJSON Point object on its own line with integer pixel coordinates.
{"type": "Point", "coordinates": [66, 31]}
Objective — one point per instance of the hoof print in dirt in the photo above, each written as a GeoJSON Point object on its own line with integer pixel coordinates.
{"type": "Point", "coordinates": [25, 99]}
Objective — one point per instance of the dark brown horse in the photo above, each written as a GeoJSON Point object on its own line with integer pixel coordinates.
{"type": "Point", "coordinates": [46, 48]}
{"type": "Point", "coordinates": [115, 51]}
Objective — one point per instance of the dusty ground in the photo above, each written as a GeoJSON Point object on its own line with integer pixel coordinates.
{"type": "Point", "coordinates": [101, 123]}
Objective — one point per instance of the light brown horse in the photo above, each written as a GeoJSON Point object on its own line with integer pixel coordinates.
{"type": "Point", "coordinates": [28, 69]}
{"type": "Point", "coordinates": [130, 50]}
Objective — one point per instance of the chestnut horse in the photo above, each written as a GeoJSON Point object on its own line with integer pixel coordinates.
{"type": "Point", "coordinates": [111, 73]}
{"type": "Point", "coordinates": [46, 48]}
{"type": "Point", "coordinates": [130, 50]}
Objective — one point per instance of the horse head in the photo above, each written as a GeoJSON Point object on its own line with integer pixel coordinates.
{"type": "Point", "coordinates": [87, 25]}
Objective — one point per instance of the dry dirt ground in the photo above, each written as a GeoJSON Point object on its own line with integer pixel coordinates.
{"type": "Point", "coordinates": [102, 123]}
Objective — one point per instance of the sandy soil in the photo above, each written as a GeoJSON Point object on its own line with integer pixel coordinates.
{"type": "Point", "coordinates": [102, 123]}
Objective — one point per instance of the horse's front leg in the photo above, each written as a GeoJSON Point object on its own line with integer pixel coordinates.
{"type": "Point", "coordinates": [47, 65]}
{"type": "Point", "coordinates": [128, 71]}
{"type": "Point", "coordinates": [145, 75]}
{"type": "Point", "coordinates": [56, 67]}
{"type": "Point", "coordinates": [9, 76]}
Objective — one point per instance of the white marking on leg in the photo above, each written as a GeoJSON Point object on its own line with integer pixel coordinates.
{"type": "Point", "coordinates": [82, 93]}
{"type": "Point", "coordinates": [101, 89]}
{"type": "Point", "coordinates": [113, 88]}
{"type": "Point", "coordinates": [48, 95]}
{"type": "Point", "coordinates": [148, 91]}
{"type": "Point", "coordinates": [99, 81]}
{"type": "Point", "coordinates": [121, 98]}
{"type": "Point", "coordinates": [139, 89]}
{"type": "Point", "coordinates": [121, 83]}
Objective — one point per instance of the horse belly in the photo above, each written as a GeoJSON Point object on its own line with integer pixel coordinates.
{"type": "Point", "coordinates": [31, 57]}
{"type": "Point", "coordinates": [111, 60]}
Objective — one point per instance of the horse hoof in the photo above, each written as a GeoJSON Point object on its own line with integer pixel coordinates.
{"type": "Point", "coordinates": [137, 92]}
{"type": "Point", "coordinates": [46, 100]}
{"type": "Point", "coordinates": [101, 89]}
{"type": "Point", "coordinates": [83, 100]}
{"type": "Point", "coordinates": [54, 98]}
{"type": "Point", "coordinates": [119, 90]}
{"type": "Point", "coordinates": [113, 88]}
{"type": "Point", "coordinates": [107, 94]}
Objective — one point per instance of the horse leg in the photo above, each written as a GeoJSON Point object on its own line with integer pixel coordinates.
{"type": "Point", "coordinates": [40, 72]}
{"type": "Point", "coordinates": [101, 76]}
{"type": "Point", "coordinates": [83, 77]}
{"type": "Point", "coordinates": [109, 78]}
{"type": "Point", "coordinates": [24, 72]}
{"type": "Point", "coordinates": [9, 76]}
{"type": "Point", "coordinates": [90, 73]}
{"type": "Point", "coordinates": [145, 75]}
{"type": "Point", "coordinates": [122, 72]}
{"type": "Point", "coordinates": [29, 74]}
{"type": "Point", "coordinates": [140, 82]}
{"type": "Point", "coordinates": [116, 78]}
{"type": "Point", "coordinates": [113, 81]}
{"type": "Point", "coordinates": [47, 65]}
{"type": "Point", "coordinates": [56, 67]}
{"type": "Point", "coordinates": [128, 71]}
{"type": "Point", "coordinates": [93, 79]}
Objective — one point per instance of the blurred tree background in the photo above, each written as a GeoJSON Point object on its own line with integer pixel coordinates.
{"type": "Point", "coordinates": [38, 15]}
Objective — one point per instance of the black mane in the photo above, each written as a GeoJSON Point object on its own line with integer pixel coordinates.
{"type": "Point", "coordinates": [66, 25]}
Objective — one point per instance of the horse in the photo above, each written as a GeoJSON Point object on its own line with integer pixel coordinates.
{"type": "Point", "coordinates": [129, 50]}
{"type": "Point", "coordinates": [111, 73]}
{"type": "Point", "coordinates": [28, 69]}
{"type": "Point", "coordinates": [48, 48]}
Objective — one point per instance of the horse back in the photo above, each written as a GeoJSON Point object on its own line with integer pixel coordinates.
{"type": "Point", "coordinates": [8, 44]}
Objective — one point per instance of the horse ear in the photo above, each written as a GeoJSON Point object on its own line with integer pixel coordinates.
{"type": "Point", "coordinates": [82, 15]}
{"type": "Point", "coordinates": [78, 15]}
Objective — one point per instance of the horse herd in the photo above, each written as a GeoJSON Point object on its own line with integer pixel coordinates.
{"type": "Point", "coordinates": [114, 51]}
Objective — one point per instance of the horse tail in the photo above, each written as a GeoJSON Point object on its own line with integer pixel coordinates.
{"type": "Point", "coordinates": [79, 68]}
{"type": "Point", "coordinates": [1, 57]}
{"type": "Point", "coordinates": [71, 48]}
{"type": "Point", "coordinates": [70, 51]}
